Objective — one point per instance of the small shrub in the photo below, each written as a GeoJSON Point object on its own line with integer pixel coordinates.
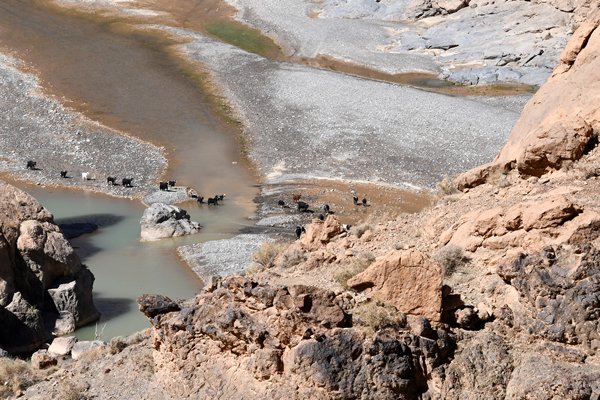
{"type": "Point", "coordinates": [360, 230]}
{"type": "Point", "coordinates": [377, 315]}
{"type": "Point", "coordinates": [356, 266]}
{"type": "Point", "coordinates": [15, 376]}
{"type": "Point", "coordinates": [447, 186]}
{"type": "Point", "coordinates": [451, 258]}
{"type": "Point", "coordinates": [268, 253]}
{"type": "Point", "coordinates": [68, 390]}
{"type": "Point", "coordinates": [294, 257]}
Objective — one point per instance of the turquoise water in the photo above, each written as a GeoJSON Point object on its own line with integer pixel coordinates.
{"type": "Point", "coordinates": [123, 266]}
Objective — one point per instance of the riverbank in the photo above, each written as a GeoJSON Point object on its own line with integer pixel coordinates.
{"type": "Point", "coordinates": [38, 127]}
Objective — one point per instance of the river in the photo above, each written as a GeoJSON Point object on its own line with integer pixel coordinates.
{"type": "Point", "coordinates": [130, 81]}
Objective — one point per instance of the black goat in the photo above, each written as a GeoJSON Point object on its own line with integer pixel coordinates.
{"type": "Point", "coordinates": [326, 208]}
{"type": "Point", "coordinates": [364, 201]}
{"type": "Point", "coordinates": [355, 198]}
{"type": "Point", "coordinates": [281, 203]}
{"type": "Point", "coordinates": [126, 182]}
{"type": "Point", "coordinates": [63, 174]}
{"type": "Point", "coordinates": [200, 199]}
{"type": "Point", "coordinates": [302, 206]}
{"type": "Point", "coordinates": [321, 217]}
{"type": "Point", "coordinates": [111, 180]}
{"type": "Point", "coordinates": [163, 186]}
{"type": "Point", "coordinates": [299, 231]}
{"type": "Point", "coordinates": [212, 201]}
{"type": "Point", "coordinates": [172, 183]}
{"type": "Point", "coordinates": [31, 164]}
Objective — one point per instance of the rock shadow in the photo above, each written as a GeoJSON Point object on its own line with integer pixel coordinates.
{"type": "Point", "coordinates": [112, 307]}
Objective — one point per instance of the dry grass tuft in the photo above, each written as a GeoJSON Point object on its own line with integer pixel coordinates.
{"type": "Point", "coordinates": [293, 257]}
{"type": "Point", "coordinates": [451, 258]}
{"type": "Point", "coordinates": [268, 253]}
{"type": "Point", "coordinates": [447, 186]}
{"type": "Point", "coordinates": [360, 230]}
{"type": "Point", "coordinates": [356, 266]}
{"type": "Point", "coordinates": [15, 376]}
{"type": "Point", "coordinates": [378, 315]}
{"type": "Point", "coordinates": [69, 390]}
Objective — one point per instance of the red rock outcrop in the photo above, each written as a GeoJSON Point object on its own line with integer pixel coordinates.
{"type": "Point", "coordinates": [407, 279]}
{"type": "Point", "coordinates": [562, 119]}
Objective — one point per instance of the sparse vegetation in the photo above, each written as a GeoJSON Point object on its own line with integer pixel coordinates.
{"type": "Point", "coordinates": [451, 258]}
{"type": "Point", "coordinates": [360, 230]}
{"type": "Point", "coordinates": [268, 253]}
{"type": "Point", "coordinates": [447, 186]}
{"type": "Point", "coordinates": [500, 179]}
{"type": "Point", "coordinates": [293, 257]}
{"type": "Point", "coordinates": [356, 266]}
{"type": "Point", "coordinates": [69, 390]}
{"type": "Point", "coordinates": [378, 315]}
{"type": "Point", "coordinates": [15, 376]}
{"type": "Point", "coordinates": [244, 37]}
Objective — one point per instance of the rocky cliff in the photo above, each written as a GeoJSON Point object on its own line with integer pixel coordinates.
{"type": "Point", "coordinates": [561, 122]}
{"type": "Point", "coordinates": [44, 288]}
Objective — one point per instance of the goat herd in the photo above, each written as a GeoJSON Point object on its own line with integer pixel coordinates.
{"type": "Point", "coordinates": [128, 183]}
{"type": "Point", "coordinates": [326, 210]}
{"type": "Point", "coordinates": [86, 176]}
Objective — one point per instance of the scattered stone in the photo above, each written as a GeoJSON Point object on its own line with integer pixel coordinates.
{"type": "Point", "coordinates": [155, 304]}
{"type": "Point", "coordinates": [41, 359]}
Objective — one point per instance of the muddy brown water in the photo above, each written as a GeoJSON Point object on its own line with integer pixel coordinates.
{"type": "Point", "coordinates": [130, 82]}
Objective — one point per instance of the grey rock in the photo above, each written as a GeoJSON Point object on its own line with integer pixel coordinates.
{"type": "Point", "coordinates": [480, 369]}
{"type": "Point", "coordinates": [539, 377]}
{"type": "Point", "coordinates": [163, 220]}
{"type": "Point", "coordinates": [22, 327]}
{"type": "Point", "coordinates": [62, 345]}
{"type": "Point", "coordinates": [223, 257]}
{"type": "Point", "coordinates": [63, 324]}
{"type": "Point", "coordinates": [75, 298]}
{"type": "Point", "coordinates": [155, 304]}
{"type": "Point", "coordinates": [558, 294]}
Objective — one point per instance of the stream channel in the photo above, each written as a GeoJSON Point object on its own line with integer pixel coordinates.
{"type": "Point", "coordinates": [129, 81]}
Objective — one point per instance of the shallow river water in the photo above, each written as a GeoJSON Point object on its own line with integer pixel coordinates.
{"type": "Point", "coordinates": [130, 82]}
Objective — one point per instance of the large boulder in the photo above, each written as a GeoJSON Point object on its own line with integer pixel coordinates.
{"type": "Point", "coordinates": [561, 121]}
{"type": "Point", "coordinates": [319, 233]}
{"type": "Point", "coordinates": [163, 220]}
{"type": "Point", "coordinates": [406, 279]}
{"type": "Point", "coordinates": [42, 281]}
